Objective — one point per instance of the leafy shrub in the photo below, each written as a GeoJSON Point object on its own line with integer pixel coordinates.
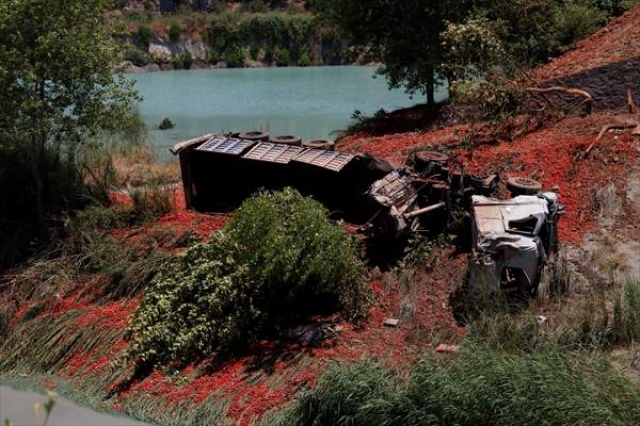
{"type": "Point", "coordinates": [278, 261]}
{"type": "Point", "coordinates": [187, 60]}
{"type": "Point", "coordinates": [214, 57]}
{"type": "Point", "coordinates": [144, 35]}
{"type": "Point", "coordinates": [275, 32]}
{"type": "Point", "coordinates": [304, 60]}
{"type": "Point", "coordinates": [177, 62]}
{"type": "Point", "coordinates": [183, 61]}
{"type": "Point", "coordinates": [175, 31]}
{"type": "Point", "coordinates": [235, 58]}
{"type": "Point", "coordinates": [137, 57]}
{"type": "Point", "coordinates": [254, 50]}
{"type": "Point", "coordinates": [282, 57]}
{"type": "Point", "coordinates": [478, 386]}
{"type": "Point", "coordinates": [494, 95]}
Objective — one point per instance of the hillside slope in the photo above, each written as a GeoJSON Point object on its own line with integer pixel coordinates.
{"type": "Point", "coordinates": [605, 64]}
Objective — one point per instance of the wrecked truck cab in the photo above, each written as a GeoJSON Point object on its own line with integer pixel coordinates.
{"type": "Point", "coordinates": [511, 241]}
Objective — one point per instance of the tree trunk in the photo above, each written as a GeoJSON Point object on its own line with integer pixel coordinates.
{"type": "Point", "coordinates": [431, 87]}
{"type": "Point", "coordinates": [36, 164]}
{"type": "Point", "coordinates": [37, 152]}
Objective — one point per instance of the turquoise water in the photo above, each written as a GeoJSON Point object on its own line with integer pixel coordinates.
{"type": "Point", "coordinates": [309, 102]}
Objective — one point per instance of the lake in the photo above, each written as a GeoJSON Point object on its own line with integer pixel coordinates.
{"type": "Point", "coordinates": [311, 102]}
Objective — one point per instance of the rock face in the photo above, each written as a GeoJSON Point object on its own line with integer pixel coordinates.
{"type": "Point", "coordinates": [164, 50]}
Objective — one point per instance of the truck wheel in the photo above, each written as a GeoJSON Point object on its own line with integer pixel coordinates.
{"type": "Point", "coordinates": [523, 186]}
{"type": "Point", "coordinates": [320, 144]}
{"type": "Point", "coordinates": [286, 140]}
{"type": "Point", "coordinates": [254, 135]}
{"type": "Point", "coordinates": [424, 158]}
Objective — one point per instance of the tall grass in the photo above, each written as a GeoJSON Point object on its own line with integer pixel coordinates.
{"type": "Point", "coordinates": [626, 314]}
{"type": "Point", "coordinates": [478, 386]}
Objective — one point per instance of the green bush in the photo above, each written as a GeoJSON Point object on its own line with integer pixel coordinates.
{"type": "Point", "coordinates": [175, 31]}
{"type": "Point", "coordinates": [282, 57]}
{"type": "Point", "coordinates": [276, 32]}
{"type": "Point", "coordinates": [187, 60]}
{"type": "Point", "coordinates": [214, 57]}
{"type": "Point", "coordinates": [254, 51]}
{"type": "Point", "coordinates": [304, 60]}
{"type": "Point", "coordinates": [144, 35]}
{"type": "Point", "coordinates": [137, 57]}
{"type": "Point", "coordinates": [235, 58]}
{"type": "Point", "coordinates": [183, 61]}
{"type": "Point", "coordinates": [277, 262]}
{"type": "Point", "coordinates": [478, 386]}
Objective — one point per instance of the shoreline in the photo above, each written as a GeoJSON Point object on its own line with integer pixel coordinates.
{"type": "Point", "coordinates": [154, 68]}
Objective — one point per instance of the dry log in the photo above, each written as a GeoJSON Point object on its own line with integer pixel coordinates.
{"type": "Point", "coordinates": [605, 129]}
{"type": "Point", "coordinates": [587, 98]}
{"type": "Point", "coordinates": [633, 109]}
{"type": "Point", "coordinates": [621, 124]}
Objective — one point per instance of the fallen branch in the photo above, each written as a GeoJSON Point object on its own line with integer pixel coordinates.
{"type": "Point", "coordinates": [622, 124]}
{"type": "Point", "coordinates": [587, 102]}
{"type": "Point", "coordinates": [633, 109]}
{"type": "Point", "coordinates": [605, 129]}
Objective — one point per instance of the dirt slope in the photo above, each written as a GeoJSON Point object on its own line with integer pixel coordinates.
{"type": "Point", "coordinates": [606, 64]}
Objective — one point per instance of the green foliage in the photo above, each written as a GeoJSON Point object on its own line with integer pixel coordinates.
{"type": "Point", "coordinates": [278, 261]}
{"type": "Point", "coordinates": [420, 43]}
{"type": "Point", "coordinates": [273, 32]}
{"type": "Point", "coordinates": [532, 32]}
{"type": "Point", "coordinates": [421, 247]}
{"type": "Point", "coordinates": [304, 60]}
{"type": "Point", "coordinates": [471, 48]}
{"type": "Point", "coordinates": [626, 314]}
{"type": "Point", "coordinates": [255, 6]}
{"type": "Point", "coordinates": [477, 386]}
{"type": "Point", "coordinates": [183, 60]}
{"type": "Point", "coordinates": [58, 96]}
{"type": "Point", "coordinates": [235, 58]}
{"type": "Point", "coordinates": [214, 57]}
{"type": "Point", "coordinates": [137, 57]}
{"type": "Point", "coordinates": [282, 57]}
{"type": "Point", "coordinates": [254, 51]}
{"type": "Point", "coordinates": [174, 31]}
{"type": "Point", "coordinates": [144, 35]}
{"type": "Point", "coordinates": [348, 394]}
{"type": "Point", "coordinates": [495, 96]}
{"type": "Point", "coordinates": [404, 35]}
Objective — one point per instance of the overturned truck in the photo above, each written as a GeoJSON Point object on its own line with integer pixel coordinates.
{"type": "Point", "coordinates": [219, 172]}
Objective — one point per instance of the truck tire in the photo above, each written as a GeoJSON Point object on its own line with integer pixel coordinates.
{"type": "Point", "coordinates": [286, 140]}
{"type": "Point", "coordinates": [430, 162]}
{"type": "Point", "coordinates": [254, 135]}
{"type": "Point", "coordinates": [518, 185]}
{"type": "Point", "coordinates": [320, 144]}
{"type": "Point", "coordinates": [432, 157]}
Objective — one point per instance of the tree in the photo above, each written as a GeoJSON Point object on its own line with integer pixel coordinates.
{"type": "Point", "coordinates": [56, 88]}
{"type": "Point", "coordinates": [407, 35]}
{"type": "Point", "coordinates": [403, 34]}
